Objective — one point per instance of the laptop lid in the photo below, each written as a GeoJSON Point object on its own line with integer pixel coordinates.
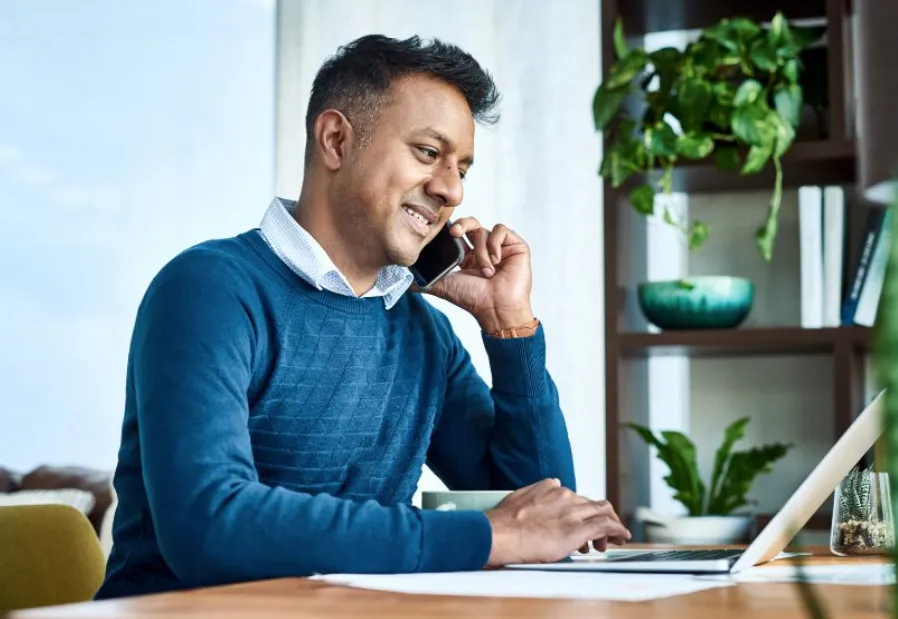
{"type": "Point", "coordinates": [829, 472]}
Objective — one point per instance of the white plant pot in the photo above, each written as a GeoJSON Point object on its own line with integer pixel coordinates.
{"type": "Point", "coordinates": [700, 530]}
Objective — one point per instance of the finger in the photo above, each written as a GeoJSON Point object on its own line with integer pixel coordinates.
{"type": "Point", "coordinates": [463, 225]}
{"type": "Point", "coordinates": [618, 541]}
{"type": "Point", "coordinates": [477, 260]}
{"type": "Point", "coordinates": [470, 227]}
{"type": "Point", "coordinates": [584, 549]}
{"type": "Point", "coordinates": [604, 527]}
{"type": "Point", "coordinates": [600, 544]}
{"type": "Point", "coordinates": [496, 240]}
{"type": "Point", "coordinates": [587, 510]}
{"type": "Point", "coordinates": [479, 239]}
{"type": "Point", "coordinates": [608, 509]}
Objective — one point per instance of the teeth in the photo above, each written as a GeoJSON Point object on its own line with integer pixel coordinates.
{"type": "Point", "coordinates": [417, 216]}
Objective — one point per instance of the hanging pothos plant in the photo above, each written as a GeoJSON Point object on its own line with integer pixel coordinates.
{"type": "Point", "coordinates": [733, 93]}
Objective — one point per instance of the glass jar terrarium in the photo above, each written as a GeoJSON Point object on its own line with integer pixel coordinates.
{"type": "Point", "coordinates": [862, 515]}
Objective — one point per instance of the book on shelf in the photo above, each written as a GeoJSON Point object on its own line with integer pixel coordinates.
{"type": "Point", "coordinates": [838, 289]}
{"type": "Point", "coordinates": [862, 297]}
{"type": "Point", "coordinates": [821, 223]}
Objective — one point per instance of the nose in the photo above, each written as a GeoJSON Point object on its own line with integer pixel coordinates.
{"type": "Point", "coordinates": [446, 186]}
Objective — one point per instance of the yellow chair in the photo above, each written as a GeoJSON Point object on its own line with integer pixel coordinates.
{"type": "Point", "coordinates": [49, 554]}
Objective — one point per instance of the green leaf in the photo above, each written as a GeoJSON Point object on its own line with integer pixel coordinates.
{"type": "Point", "coordinates": [695, 145]}
{"type": "Point", "coordinates": [694, 99]}
{"type": "Point", "coordinates": [727, 158]}
{"type": "Point", "coordinates": [623, 158]}
{"type": "Point", "coordinates": [618, 169]}
{"type": "Point", "coordinates": [734, 432]}
{"type": "Point", "coordinates": [643, 199]}
{"type": "Point", "coordinates": [791, 70]}
{"type": "Point", "coordinates": [625, 71]}
{"type": "Point", "coordinates": [788, 100]}
{"type": "Point", "coordinates": [779, 29]}
{"type": "Point", "coordinates": [723, 34]}
{"type": "Point", "coordinates": [766, 235]}
{"type": "Point", "coordinates": [756, 160]}
{"type": "Point", "coordinates": [763, 55]}
{"type": "Point", "coordinates": [703, 56]}
{"type": "Point", "coordinates": [611, 166]}
{"type": "Point", "coordinates": [620, 42]}
{"type": "Point", "coordinates": [646, 434]}
{"type": "Point", "coordinates": [666, 61]}
{"type": "Point", "coordinates": [725, 93]}
{"type": "Point", "coordinates": [605, 105]}
{"type": "Point", "coordinates": [690, 489]}
{"type": "Point", "coordinates": [744, 467]}
{"type": "Point", "coordinates": [699, 235]}
{"type": "Point", "coordinates": [751, 124]}
{"type": "Point", "coordinates": [720, 116]}
{"type": "Point", "coordinates": [744, 28]}
{"type": "Point", "coordinates": [678, 453]}
{"type": "Point", "coordinates": [669, 218]}
{"type": "Point", "coordinates": [803, 36]}
{"type": "Point", "coordinates": [664, 140]}
{"type": "Point", "coordinates": [784, 133]}
{"type": "Point", "coordinates": [748, 93]}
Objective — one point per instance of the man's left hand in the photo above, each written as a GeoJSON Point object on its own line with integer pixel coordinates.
{"type": "Point", "coordinates": [495, 279]}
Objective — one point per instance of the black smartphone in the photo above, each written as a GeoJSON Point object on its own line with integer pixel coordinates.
{"type": "Point", "coordinates": [437, 259]}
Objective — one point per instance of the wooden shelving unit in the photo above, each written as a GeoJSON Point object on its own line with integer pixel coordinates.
{"type": "Point", "coordinates": [825, 162]}
{"type": "Point", "coordinates": [741, 342]}
{"type": "Point", "coordinates": [805, 163]}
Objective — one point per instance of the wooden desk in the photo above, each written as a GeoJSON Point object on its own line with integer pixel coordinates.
{"type": "Point", "coordinates": [301, 599]}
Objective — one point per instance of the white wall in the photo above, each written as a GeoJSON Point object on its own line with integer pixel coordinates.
{"type": "Point", "coordinates": [536, 171]}
{"type": "Point", "coordinates": [128, 131]}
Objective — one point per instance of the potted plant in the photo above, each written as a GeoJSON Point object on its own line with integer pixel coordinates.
{"type": "Point", "coordinates": [712, 516]}
{"type": "Point", "coordinates": [862, 515]}
{"type": "Point", "coordinates": [733, 94]}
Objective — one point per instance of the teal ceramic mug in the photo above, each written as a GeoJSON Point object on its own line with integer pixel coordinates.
{"type": "Point", "coordinates": [467, 500]}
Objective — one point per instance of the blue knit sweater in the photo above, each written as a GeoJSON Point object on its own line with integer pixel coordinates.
{"type": "Point", "coordinates": [272, 429]}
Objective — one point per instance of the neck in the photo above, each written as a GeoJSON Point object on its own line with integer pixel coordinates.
{"type": "Point", "coordinates": [315, 219]}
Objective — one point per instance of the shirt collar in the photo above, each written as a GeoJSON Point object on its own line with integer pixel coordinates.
{"type": "Point", "coordinates": [304, 255]}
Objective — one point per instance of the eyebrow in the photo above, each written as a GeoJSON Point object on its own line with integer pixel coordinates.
{"type": "Point", "coordinates": [447, 143]}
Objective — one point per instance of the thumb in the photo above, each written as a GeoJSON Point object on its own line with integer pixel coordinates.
{"type": "Point", "coordinates": [439, 289]}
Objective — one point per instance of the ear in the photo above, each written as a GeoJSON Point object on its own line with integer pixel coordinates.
{"type": "Point", "coordinates": [333, 138]}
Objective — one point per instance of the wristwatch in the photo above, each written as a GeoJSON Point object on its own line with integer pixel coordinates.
{"type": "Point", "coordinates": [526, 330]}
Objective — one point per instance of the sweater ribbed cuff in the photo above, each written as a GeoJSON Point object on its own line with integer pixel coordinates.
{"type": "Point", "coordinates": [455, 541]}
{"type": "Point", "coordinates": [518, 364]}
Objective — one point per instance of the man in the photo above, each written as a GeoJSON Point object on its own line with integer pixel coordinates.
{"type": "Point", "coordinates": [284, 389]}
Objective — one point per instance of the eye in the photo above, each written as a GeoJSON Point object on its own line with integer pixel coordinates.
{"type": "Point", "coordinates": [462, 173]}
{"type": "Point", "coordinates": [428, 152]}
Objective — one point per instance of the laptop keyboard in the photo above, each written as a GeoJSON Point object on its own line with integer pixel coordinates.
{"type": "Point", "coordinates": [680, 555]}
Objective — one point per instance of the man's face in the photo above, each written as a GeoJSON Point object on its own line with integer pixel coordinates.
{"type": "Point", "coordinates": [403, 183]}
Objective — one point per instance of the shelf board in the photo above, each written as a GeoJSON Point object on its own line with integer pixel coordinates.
{"type": "Point", "coordinates": [825, 162]}
{"type": "Point", "coordinates": [747, 341]}
{"type": "Point", "coordinates": [644, 16]}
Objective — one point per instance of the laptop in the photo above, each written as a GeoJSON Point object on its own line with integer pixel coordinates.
{"type": "Point", "coordinates": [810, 495]}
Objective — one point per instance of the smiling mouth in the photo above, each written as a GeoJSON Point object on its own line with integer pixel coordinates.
{"type": "Point", "coordinates": [429, 219]}
{"type": "Point", "coordinates": [419, 222]}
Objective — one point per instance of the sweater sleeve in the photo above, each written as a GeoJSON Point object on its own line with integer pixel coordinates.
{"type": "Point", "coordinates": [195, 344]}
{"type": "Point", "coordinates": [506, 436]}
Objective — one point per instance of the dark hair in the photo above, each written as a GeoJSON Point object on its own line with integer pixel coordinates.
{"type": "Point", "coordinates": [357, 79]}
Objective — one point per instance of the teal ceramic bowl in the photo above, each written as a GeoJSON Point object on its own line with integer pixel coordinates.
{"type": "Point", "coordinates": [701, 302]}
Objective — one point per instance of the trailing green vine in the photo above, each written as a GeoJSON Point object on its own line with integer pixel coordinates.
{"type": "Point", "coordinates": [733, 93]}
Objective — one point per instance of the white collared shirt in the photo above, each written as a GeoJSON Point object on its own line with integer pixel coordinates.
{"type": "Point", "coordinates": [305, 257]}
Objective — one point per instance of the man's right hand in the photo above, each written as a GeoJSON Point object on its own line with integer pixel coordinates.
{"type": "Point", "coordinates": [545, 522]}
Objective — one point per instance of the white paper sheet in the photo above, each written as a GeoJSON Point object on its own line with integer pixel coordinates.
{"type": "Point", "coordinates": [532, 584]}
{"type": "Point", "coordinates": [840, 574]}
